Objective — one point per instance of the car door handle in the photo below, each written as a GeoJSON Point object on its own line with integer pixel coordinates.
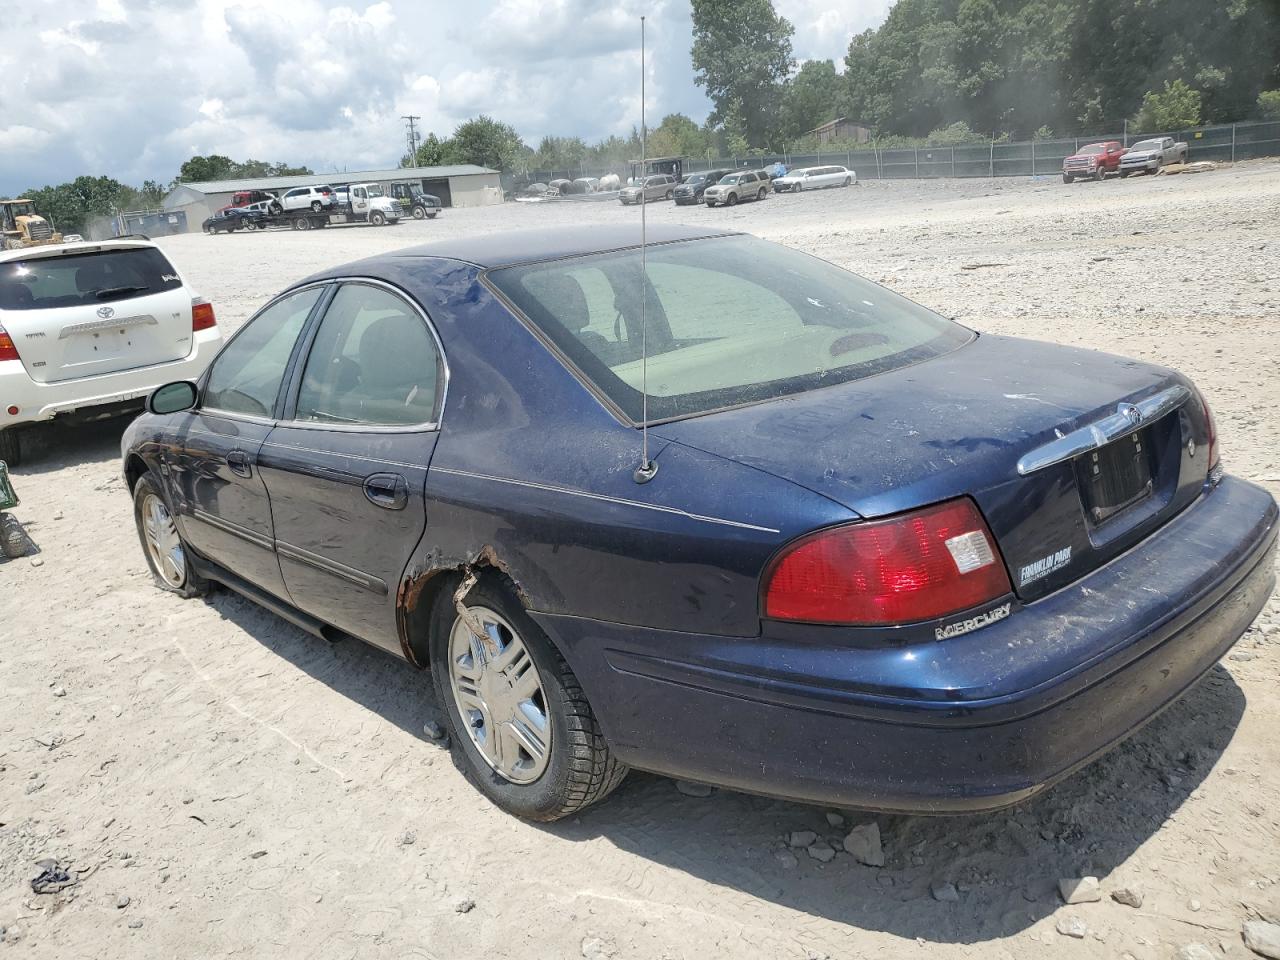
{"type": "Point", "coordinates": [387, 490]}
{"type": "Point", "coordinates": [238, 461]}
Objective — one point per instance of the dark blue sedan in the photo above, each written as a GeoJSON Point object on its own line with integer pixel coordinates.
{"type": "Point", "coordinates": [871, 559]}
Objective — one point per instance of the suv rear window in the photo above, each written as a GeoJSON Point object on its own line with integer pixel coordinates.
{"type": "Point", "coordinates": [730, 320]}
{"type": "Point", "coordinates": [84, 279]}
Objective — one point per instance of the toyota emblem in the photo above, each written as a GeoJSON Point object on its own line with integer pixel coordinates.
{"type": "Point", "coordinates": [106, 313]}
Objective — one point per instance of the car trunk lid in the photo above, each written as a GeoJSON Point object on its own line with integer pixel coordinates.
{"type": "Point", "coordinates": [981, 422]}
{"type": "Point", "coordinates": [84, 312]}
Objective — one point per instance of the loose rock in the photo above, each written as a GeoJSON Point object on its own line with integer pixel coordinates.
{"type": "Point", "coordinates": [1194, 951]}
{"type": "Point", "coordinates": [1263, 938]}
{"type": "Point", "coordinates": [135, 924]}
{"type": "Point", "coordinates": [59, 691]}
{"type": "Point", "coordinates": [1071, 926]}
{"type": "Point", "coordinates": [801, 838]}
{"type": "Point", "coordinates": [693, 789]}
{"type": "Point", "coordinates": [835, 819]}
{"type": "Point", "coordinates": [1080, 890]}
{"type": "Point", "coordinates": [594, 948]}
{"type": "Point", "coordinates": [863, 843]}
{"type": "Point", "coordinates": [822, 851]}
{"type": "Point", "coordinates": [1129, 896]}
{"type": "Point", "coordinates": [944, 892]}
{"type": "Point", "coordinates": [122, 901]}
{"type": "Point", "coordinates": [786, 859]}
{"type": "Point", "coordinates": [465, 906]}
{"type": "Point", "coordinates": [434, 730]}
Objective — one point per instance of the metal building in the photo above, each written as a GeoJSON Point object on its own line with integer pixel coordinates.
{"type": "Point", "coordinates": [460, 185]}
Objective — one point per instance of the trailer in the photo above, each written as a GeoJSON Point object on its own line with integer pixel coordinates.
{"type": "Point", "coordinates": [358, 203]}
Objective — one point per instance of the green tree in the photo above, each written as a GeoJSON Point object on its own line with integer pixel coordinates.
{"type": "Point", "coordinates": [1269, 104]}
{"type": "Point", "coordinates": [73, 206]}
{"type": "Point", "coordinates": [487, 143]}
{"type": "Point", "coordinates": [815, 95]}
{"type": "Point", "coordinates": [1175, 107]}
{"type": "Point", "coordinates": [741, 56]}
{"type": "Point", "coordinates": [213, 167]}
{"type": "Point", "coordinates": [677, 136]}
{"type": "Point", "coordinates": [431, 152]}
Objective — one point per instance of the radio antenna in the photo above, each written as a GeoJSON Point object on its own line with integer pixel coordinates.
{"type": "Point", "coordinates": [647, 469]}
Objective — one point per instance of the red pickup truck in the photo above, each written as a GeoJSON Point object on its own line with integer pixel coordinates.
{"type": "Point", "coordinates": [1094, 161]}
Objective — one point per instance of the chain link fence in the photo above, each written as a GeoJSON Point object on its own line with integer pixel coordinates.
{"type": "Point", "coordinates": [1226, 143]}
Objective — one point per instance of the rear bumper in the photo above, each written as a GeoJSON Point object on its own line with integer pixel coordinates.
{"type": "Point", "coordinates": [44, 401]}
{"type": "Point", "coordinates": [972, 723]}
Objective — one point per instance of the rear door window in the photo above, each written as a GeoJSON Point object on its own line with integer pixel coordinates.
{"type": "Point", "coordinates": [373, 363]}
{"type": "Point", "coordinates": [85, 279]}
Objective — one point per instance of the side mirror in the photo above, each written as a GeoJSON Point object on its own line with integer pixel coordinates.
{"type": "Point", "coordinates": [173, 397]}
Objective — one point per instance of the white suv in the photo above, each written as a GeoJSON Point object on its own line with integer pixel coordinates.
{"type": "Point", "coordinates": [90, 329]}
{"type": "Point", "coordinates": [308, 198]}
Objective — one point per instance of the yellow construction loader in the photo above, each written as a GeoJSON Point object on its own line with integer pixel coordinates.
{"type": "Point", "coordinates": [21, 226]}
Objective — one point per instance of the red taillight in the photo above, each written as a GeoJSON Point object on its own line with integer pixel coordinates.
{"type": "Point", "coordinates": [1212, 428]}
{"type": "Point", "coordinates": [7, 350]}
{"type": "Point", "coordinates": [918, 566]}
{"type": "Point", "coordinates": [202, 317]}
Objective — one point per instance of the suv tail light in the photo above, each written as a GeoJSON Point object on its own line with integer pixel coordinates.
{"type": "Point", "coordinates": [202, 317]}
{"type": "Point", "coordinates": [7, 350]}
{"type": "Point", "coordinates": [917, 566]}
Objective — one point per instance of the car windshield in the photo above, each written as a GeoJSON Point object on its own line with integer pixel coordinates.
{"type": "Point", "coordinates": [729, 320]}
{"type": "Point", "coordinates": [374, 190]}
{"type": "Point", "coordinates": [695, 178]}
{"type": "Point", "coordinates": [81, 279]}
{"type": "Point", "coordinates": [1146, 145]}
{"type": "Point", "coordinates": [1092, 149]}
{"type": "Point", "coordinates": [731, 178]}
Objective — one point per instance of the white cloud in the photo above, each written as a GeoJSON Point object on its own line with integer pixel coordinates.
{"type": "Point", "coordinates": [131, 88]}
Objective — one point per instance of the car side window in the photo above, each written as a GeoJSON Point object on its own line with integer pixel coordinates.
{"type": "Point", "coordinates": [373, 363]}
{"type": "Point", "coordinates": [245, 377]}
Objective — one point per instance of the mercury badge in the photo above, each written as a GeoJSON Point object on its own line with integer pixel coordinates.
{"type": "Point", "coordinates": [106, 313]}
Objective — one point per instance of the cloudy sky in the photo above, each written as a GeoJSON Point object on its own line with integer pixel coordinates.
{"type": "Point", "coordinates": [131, 88]}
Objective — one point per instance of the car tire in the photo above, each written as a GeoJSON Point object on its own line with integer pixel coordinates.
{"type": "Point", "coordinates": [302, 223]}
{"type": "Point", "coordinates": [11, 446]}
{"type": "Point", "coordinates": [419, 213]}
{"type": "Point", "coordinates": [1067, 178]}
{"type": "Point", "coordinates": [14, 542]}
{"type": "Point", "coordinates": [377, 218]}
{"type": "Point", "coordinates": [731, 200]}
{"type": "Point", "coordinates": [578, 768]}
{"type": "Point", "coordinates": [316, 205]}
{"type": "Point", "coordinates": [248, 225]}
{"type": "Point", "coordinates": [162, 544]}
{"type": "Point", "coordinates": [764, 192]}
{"type": "Point", "coordinates": [207, 229]}
{"type": "Point", "coordinates": [669, 195]}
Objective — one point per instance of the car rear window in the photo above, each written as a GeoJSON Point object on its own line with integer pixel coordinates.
{"type": "Point", "coordinates": [730, 320]}
{"type": "Point", "coordinates": [80, 279]}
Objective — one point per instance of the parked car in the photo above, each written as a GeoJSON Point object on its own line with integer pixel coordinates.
{"type": "Point", "coordinates": [694, 185]}
{"type": "Point", "coordinates": [1094, 161]}
{"type": "Point", "coordinates": [88, 329]}
{"type": "Point", "coordinates": [303, 198]}
{"type": "Point", "coordinates": [813, 178]}
{"type": "Point", "coordinates": [250, 198]}
{"type": "Point", "coordinates": [797, 558]}
{"type": "Point", "coordinates": [732, 187]}
{"type": "Point", "coordinates": [231, 219]}
{"type": "Point", "coordinates": [658, 186]}
{"type": "Point", "coordinates": [1151, 155]}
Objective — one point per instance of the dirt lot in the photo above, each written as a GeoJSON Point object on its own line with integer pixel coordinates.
{"type": "Point", "coordinates": [254, 792]}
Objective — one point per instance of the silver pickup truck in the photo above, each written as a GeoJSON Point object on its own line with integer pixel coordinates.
{"type": "Point", "coordinates": [1151, 155]}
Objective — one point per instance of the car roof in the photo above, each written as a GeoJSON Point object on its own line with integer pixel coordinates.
{"type": "Point", "coordinates": [75, 246]}
{"type": "Point", "coordinates": [523, 246]}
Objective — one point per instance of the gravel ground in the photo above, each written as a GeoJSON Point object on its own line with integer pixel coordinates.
{"type": "Point", "coordinates": [224, 785]}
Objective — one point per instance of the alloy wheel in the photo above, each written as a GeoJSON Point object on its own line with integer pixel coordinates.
{"type": "Point", "coordinates": [499, 694]}
{"type": "Point", "coordinates": [163, 543]}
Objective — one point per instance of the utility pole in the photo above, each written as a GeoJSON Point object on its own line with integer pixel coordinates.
{"type": "Point", "coordinates": [411, 119]}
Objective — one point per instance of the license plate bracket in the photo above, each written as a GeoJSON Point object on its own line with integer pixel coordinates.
{"type": "Point", "coordinates": [1116, 476]}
